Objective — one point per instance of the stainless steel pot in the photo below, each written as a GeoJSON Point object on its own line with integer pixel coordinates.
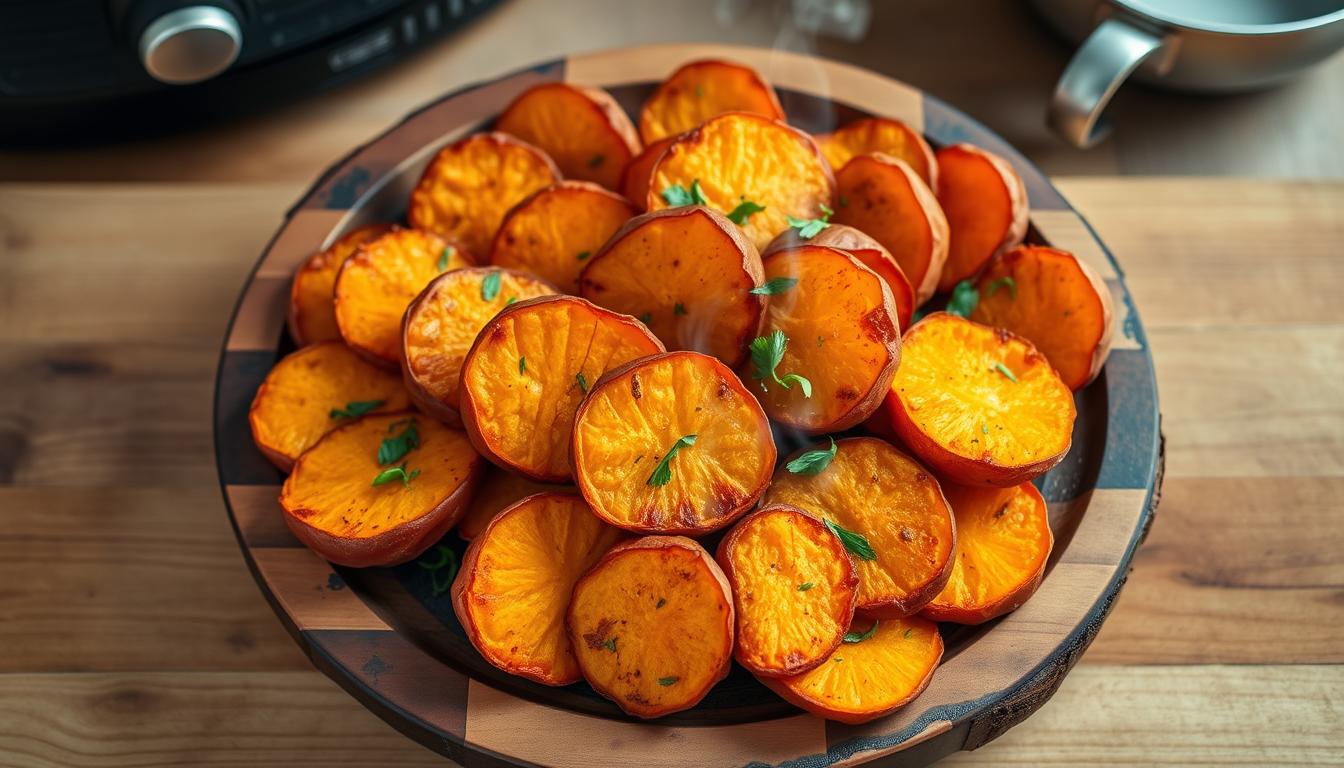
{"type": "Point", "coordinates": [1199, 45]}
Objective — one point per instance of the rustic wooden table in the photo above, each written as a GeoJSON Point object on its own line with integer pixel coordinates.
{"type": "Point", "coordinates": [132, 634]}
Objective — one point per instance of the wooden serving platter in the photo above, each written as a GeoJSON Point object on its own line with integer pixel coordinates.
{"type": "Point", "coordinates": [390, 641]}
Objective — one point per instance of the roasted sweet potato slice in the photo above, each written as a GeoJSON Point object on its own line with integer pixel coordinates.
{"type": "Point", "coordinates": [381, 490]}
{"type": "Point", "coordinates": [1003, 541]}
{"type": "Point", "coordinates": [980, 405]}
{"type": "Point", "coordinates": [891, 137]}
{"type": "Point", "coordinates": [838, 323]}
{"type": "Point", "coordinates": [652, 625]}
{"type": "Point", "coordinates": [794, 590]}
{"type": "Point", "coordinates": [1056, 301]}
{"type": "Point", "coordinates": [883, 197]}
{"type": "Point", "coordinates": [554, 233]}
{"type": "Point", "coordinates": [513, 589]}
{"type": "Point", "coordinates": [985, 203]}
{"type": "Point", "coordinates": [868, 251]}
{"type": "Point", "coordinates": [687, 273]}
{"type": "Point", "coordinates": [700, 90]}
{"type": "Point", "coordinates": [472, 183]}
{"type": "Point", "coordinates": [312, 312]}
{"type": "Point", "coordinates": [313, 391]}
{"type": "Point", "coordinates": [671, 443]}
{"type": "Point", "coordinates": [869, 679]}
{"type": "Point", "coordinates": [441, 325]}
{"type": "Point", "coordinates": [889, 511]}
{"type": "Point", "coordinates": [530, 366]}
{"type": "Point", "coordinates": [583, 130]}
{"type": "Point", "coordinates": [497, 490]}
{"type": "Point", "coordinates": [379, 281]}
{"type": "Point", "coordinates": [749, 168]}
{"type": "Point", "coordinates": [635, 178]}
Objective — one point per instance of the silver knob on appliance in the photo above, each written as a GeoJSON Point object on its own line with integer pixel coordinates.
{"type": "Point", "coordinates": [190, 44]}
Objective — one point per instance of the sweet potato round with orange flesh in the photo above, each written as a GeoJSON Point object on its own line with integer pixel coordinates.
{"type": "Point", "coordinates": [867, 680]}
{"type": "Point", "coordinates": [497, 490]}
{"type": "Point", "coordinates": [472, 183]}
{"type": "Point", "coordinates": [737, 158]}
{"type": "Point", "coordinates": [513, 589]}
{"type": "Point", "coordinates": [441, 325]}
{"type": "Point", "coordinates": [885, 135]}
{"type": "Point", "coordinates": [530, 366]}
{"type": "Point", "coordinates": [379, 281]}
{"type": "Point", "coordinates": [868, 251]}
{"type": "Point", "coordinates": [1003, 542]}
{"type": "Point", "coordinates": [671, 443]}
{"type": "Point", "coordinates": [700, 90]}
{"type": "Point", "coordinates": [652, 625]}
{"type": "Point", "coordinates": [840, 323]}
{"type": "Point", "coordinates": [794, 590]}
{"type": "Point", "coordinates": [313, 391]}
{"type": "Point", "coordinates": [312, 312]}
{"type": "Point", "coordinates": [980, 405]}
{"type": "Point", "coordinates": [985, 203]}
{"type": "Point", "coordinates": [332, 505]}
{"type": "Point", "coordinates": [582, 129]}
{"type": "Point", "coordinates": [687, 274]}
{"type": "Point", "coordinates": [635, 178]}
{"type": "Point", "coordinates": [554, 233]}
{"type": "Point", "coordinates": [883, 197]}
{"type": "Point", "coordinates": [874, 491]}
{"type": "Point", "coordinates": [1056, 301]}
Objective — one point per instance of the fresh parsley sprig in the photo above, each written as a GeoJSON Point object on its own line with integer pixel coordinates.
{"type": "Point", "coordinates": [766, 353]}
{"type": "Point", "coordinates": [812, 462]}
{"type": "Point", "coordinates": [775, 286]}
{"type": "Point", "coordinates": [490, 286]}
{"type": "Point", "coordinates": [395, 448]}
{"type": "Point", "coordinates": [356, 408]}
{"type": "Point", "coordinates": [677, 195]}
{"type": "Point", "coordinates": [964, 299]}
{"type": "Point", "coordinates": [396, 473]}
{"type": "Point", "coordinates": [855, 637]}
{"type": "Point", "coordinates": [744, 211]}
{"type": "Point", "coordinates": [662, 474]}
{"type": "Point", "coordinates": [856, 543]}
{"type": "Point", "coordinates": [810, 228]}
{"type": "Point", "coordinates": [442, 570]}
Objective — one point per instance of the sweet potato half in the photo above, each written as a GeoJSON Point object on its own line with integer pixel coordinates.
{"type": "Point", "coordinates": [1057, 302]}
{"type": "Point", "coordinates": [794, 590]}
{"type": "Point", "coordinates": [313, 391]}
{"type": "Point", "coordinates": [687, 273]}
{"type": "Point", "coordinates": [739, 159]}
{"type": "Point", "coordinates": [583, 130]}
{"type": "Point", "coordinates": [883, 197]}
{"type": "Point", "coordinates": [839, 328]}
{"type": "Point", "coordinates": [441, 325]}
{"type": "Point", "coordinates": [380, 280]}
{"type": "Point", "coordinates": [980, 405]}
{"type": "Point", "coordinates": [312, 313]}
{"type": "Point", "coordinates": [700, 90]}
{"type": "Point", "coordinates": [985, 203]}
{"type": "Point", "coordinates": [652, 625]}
{"type": "Point", "coordinates": [888, 136]}
{"type": "Point", "coordinates": [472, 183]}
{"type": "Point", "coordinates": [554, 233]}
{"type": "Point", "coordinates": [530, 366]}
{"type": "Point", "coordinates": [671, 443]}
{"type": "Point", "coordinates": [1003, 542]}
{"type": "Point", "coordinates": [890, 512]}
{"type": "Point", "coordinates": [381, 490]}
{"type": "Point", "coordinates": [635, 178]}
{"type": "Point", "coordinates": [497, 490]}
{"type": "Point", "coordinates": [513, 589]}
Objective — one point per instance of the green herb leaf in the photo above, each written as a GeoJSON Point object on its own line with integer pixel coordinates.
{"type": "Point", "coordinates": [677, 195]}
{"type": "Point", "coordinates": [396, 473]}
{"type": "Point", "coordinates": [803, 384]}
{"type": "Point", "coordinates": [596, 160]}
{"type": "Point", "coordinates": [646, 318]}
{"type": "Point", "coordinates": [522, 364]}
{"type": "Point", "coordinates": [918, 315]}
{"type": "Point", "coordinates": [447, 254]}
{"type": "Point", "coordinates": [442, 570]}
{"type": "Point", "coordinates": [1001, 368]}
{"type": "Point", "coordinates": [666, 681]}
{"type": "Point", "coordinates": [854, 637]}
{"type": "Point", "coordinates": [395, 448]}
{"type": "Point", "coordinates": [964, 299]}
{"type": "Point", "coordinates": [509, 301]}
{"type": "Point", "coordinates": [906, 636]}
{"type": "Point", "coordinates": [490, 286]}
{"type": "Point", "coordinates": [766, 352]}
{"type": "Point", "coordinates": [744, 211]}
{"type": "Point", "coordinates": [678, 309]}
{"type": "Point", "coordinates": [1002, 282]}
{"type": "Point", "coordinates": [856, 543]}
{"type": "Point", "coordinates": [662, 474]}
{"type": "Point", "coordinates": [812, 462]}
{"type": "Point", "coordinates": [774, 287]}
{"type": "Point", "coordinates": [583, 255]}
{"type": "Point", "coordinates": [610, 645]}
{"type": "Point", "coordinates": [356, 408]}
{"type": "Point", "coordinates": [583, 383]}
{"type": "Point", "coordinates": [809, 228]}
{"type": "Point", "coordinates": [805, 586]}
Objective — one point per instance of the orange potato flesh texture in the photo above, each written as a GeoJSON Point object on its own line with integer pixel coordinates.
{"type": "Point", "coordinates": [863, 681]}
{"type": "Point", "coordinates": [840, 320]}
{"type": "Point", "coordinates": [312, 313]}
{"type": "Point", "coordinates": [1003, 542]}
{"type": "Point", "coordinates": [497, 490]}
{"type": "Point", "coordinates": [652, 625]}
{"type": "Point", "coordinates": [985, 203]}
{"type": "Point", "coordinates": [686, 273]}
{"type": "Point", "coordinates": [514, 587]}
{"type": "Point", "coordinates": [700, 90]}
{"type": "Point", "coordinates": [794, 589]}
{"type": "Point", "coordinates": [472, 183]}
{"type": "Point", "coordinates": [522, 419]}
{"type": "Point", "coordinates": [376, 285]}
{"type": "Point", "coordinates": [869, 253]}
{"type": "Point", "coordinates": [957, 411]}
{"type": "Point", "coordinates": [443, 323]}
{"type": "Point", "coordinates": [631, 420]}
{"type": "Point", "coordinates": [883, 197]}
{"type": "Point", "coordinates": [635, 179]}
{"type": "Point", "coordinates": [738, 157]}
{"type": "Point", "coordinates": [583, 130]}
{"type": "Point", "coordinates": [1057, 302]}
{"type": "Point", "coordinates": [874, 490]}
{"type": "Point", "coordinates": [555, 232]}
{"type": "Point", "coordinates": [884, 135]}
{"type": "Point", "coordinates": [292, 408]}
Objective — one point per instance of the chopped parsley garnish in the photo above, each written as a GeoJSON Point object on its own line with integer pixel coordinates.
{"type": "Point", "coordinates": [906, 636]}
{"type": "Point", "coordinates": [812, 462]}
{"type": "Point", "coordinates": [396, 473]}
{"type": "Point", "coordinates": [854, 637]}
{"type": "Point", "coordinates": [806, 585]}
{"type": "Point", "coordinates": [662, 474]}
{"type": "Point", "coordinates": [1001, 368]}
{"type": "Point", "coordinates": [766, 352]}
{"type": "Point", "coordinates": [809, 228]}
{"type": "Point", "coordinates": [447, 254]}
{"type": "Point", "coordinates": [490, 286]}
{"type": "Point", "coordinates": [857, 545]}
{"type": "Point", "coordinates": [356, 408]}
{"type": "Point", "coordinates": [676, 195]}
{"type": "Point", "coordinates": [442, 570]}
{"type": "Point", "coordinates": [666, 681]}
{"type": "Point", "coordinates": [964, 299]}
{"type": "Point", "coordinates": [1002, 282]}
{"type": "Point", "coordinates": [522, 364]}
{"type": "Point", "coordinates": [610, 645]}
{"type": "Point", "coordinates": [395, 448]}
{"type": "Point", "coordinates": [583, 383]}
{"type": "Point", "coordinates": [509, 301]}
{"type": "Point", "coordinates": [583, 255]}
{"type": "Point", "coordinates": [744, 211]}
{"type": "Point", "coordinates": [775, 286]}
{"type": "Point", "coordinates": [646, 318]}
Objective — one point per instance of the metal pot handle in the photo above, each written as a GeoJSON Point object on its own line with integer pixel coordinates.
{"type": "Point", "coordinates": [1106, 58]}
